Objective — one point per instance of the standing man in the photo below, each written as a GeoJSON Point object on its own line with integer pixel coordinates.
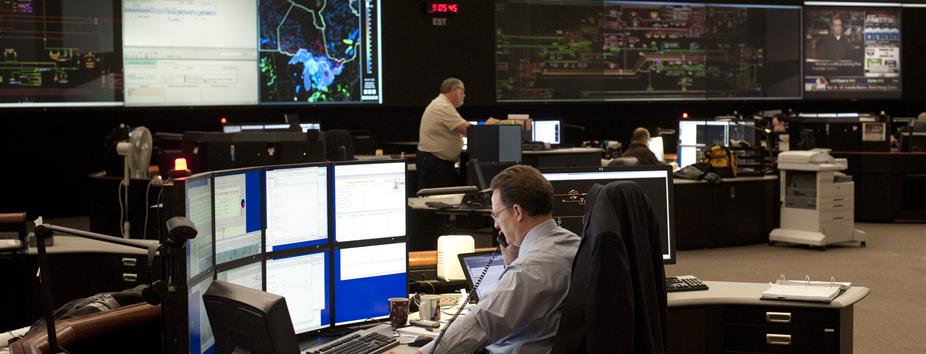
{"type": "Point", "coordinates": [639, 148]}
{"type": "Point", "coordinates": [440, 137]}
{"type": "Point", "coordinates": [522, 314]}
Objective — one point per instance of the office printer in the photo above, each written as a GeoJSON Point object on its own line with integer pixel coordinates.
{"type": "Point", "coordinates": [817, 201]}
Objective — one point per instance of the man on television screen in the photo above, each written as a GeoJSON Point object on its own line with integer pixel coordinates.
{"type": "Point", "coordinates": [835, 46]}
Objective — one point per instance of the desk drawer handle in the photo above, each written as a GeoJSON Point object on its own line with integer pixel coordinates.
{"type": "Point", "coordinates": [129, 262]}
{"type": "Point", "coordinates": [837, 205]}
{"type": "Point", "coordinates": [838, 218]}
{"type": "Point", "coordinates": [129, 277]}
{"type": "Point", "coordinates": [837, 199]}
{"type": "Point", "coordinates": [778, 339]}
{"type": "Point", "coordinates": [778, 317]}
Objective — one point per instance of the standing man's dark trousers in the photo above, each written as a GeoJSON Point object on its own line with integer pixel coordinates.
{"type": "Point", "coordinates": [434, 172]}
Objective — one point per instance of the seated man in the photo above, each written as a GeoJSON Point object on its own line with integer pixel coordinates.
{"type": "Point", "coordinates": [522, 314]}
{"type": "Point", "coordinates": [639, 148]}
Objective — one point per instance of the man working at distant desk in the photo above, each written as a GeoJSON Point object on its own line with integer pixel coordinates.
{"type": "Point", "coordinates": [440, 137]}
{"type": "Point", "coordinates": [639, 148]}
{"type": "Point", "coordinates": [522, 314]}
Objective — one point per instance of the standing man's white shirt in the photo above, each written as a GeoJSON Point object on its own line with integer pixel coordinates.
{"type": "Point", "coordinates": [437, 133]}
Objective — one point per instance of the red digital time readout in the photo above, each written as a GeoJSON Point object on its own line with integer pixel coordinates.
{"type": "Point", "coordinates": [444, 8]}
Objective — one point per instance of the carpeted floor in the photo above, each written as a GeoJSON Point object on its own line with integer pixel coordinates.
{"type": "Point", "coordinates": [892, 319]}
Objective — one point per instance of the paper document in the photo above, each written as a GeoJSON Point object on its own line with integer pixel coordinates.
{"type": "Point", "coordinates": [821, 291]}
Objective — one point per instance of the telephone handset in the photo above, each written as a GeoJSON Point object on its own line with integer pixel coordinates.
{"type": "Point", "coordinates": [503, 243]}
{"type": "Point", "coordinates": [501, 240]}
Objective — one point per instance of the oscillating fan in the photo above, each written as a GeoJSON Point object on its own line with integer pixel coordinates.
{"type": "Point", "coordinates": [137, 153]}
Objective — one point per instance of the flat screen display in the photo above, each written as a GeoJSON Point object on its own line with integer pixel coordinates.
{"type": "Point", "coordinates": [60, 53]}
{"type": "Point", "coordinates": [635, 50]}
{"type": "Point", "coordinates": [320, 51]}
{"type": "Point", "coordinates": [852, 52]}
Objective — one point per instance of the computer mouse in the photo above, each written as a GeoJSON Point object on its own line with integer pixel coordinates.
{"type": "Point", "coordinates": [421, 341]}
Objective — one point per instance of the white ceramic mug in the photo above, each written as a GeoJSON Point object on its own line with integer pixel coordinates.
{"type": "Point", "coordinates": [429, 307]}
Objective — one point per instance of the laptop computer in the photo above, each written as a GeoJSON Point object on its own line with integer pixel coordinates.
{"type": "Point", "coordinates": [474, 264]}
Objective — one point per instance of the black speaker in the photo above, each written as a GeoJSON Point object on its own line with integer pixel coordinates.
{"type": "Point", "coordinates": [494, 143]}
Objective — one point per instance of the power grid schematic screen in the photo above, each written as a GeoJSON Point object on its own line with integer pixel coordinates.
{"type": "Point", "coordinates": [613, 50]}
{"type": "Point", "coordinates": [852, 52]}
{"type": "Point", "coordinates": [320, 51]}
{"type": "Point", "coordinates": [59, 53]}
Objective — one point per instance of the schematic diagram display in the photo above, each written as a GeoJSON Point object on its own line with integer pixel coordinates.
{"type": "Point", "coordinates": [59, 53]}
{"type": "Point", "coordinates": [611, 50]}
{"type": "Point", "coordinates": [852, 52]}
{"type": "Point", "coordinates": [318, 51]}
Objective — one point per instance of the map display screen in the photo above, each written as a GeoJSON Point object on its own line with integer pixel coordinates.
{"type": "Point", "coordinates": [319, 51]}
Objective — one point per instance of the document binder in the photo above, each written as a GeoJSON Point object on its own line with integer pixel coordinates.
{"type": "Point", "coordinates": [806, 290]}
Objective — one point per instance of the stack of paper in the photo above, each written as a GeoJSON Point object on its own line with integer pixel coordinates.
{"type": "Point", "coordinates": [822, 291]}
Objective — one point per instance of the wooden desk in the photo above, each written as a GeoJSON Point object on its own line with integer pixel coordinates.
{"type": "Point", "coordinates": [889, 186]}
{"type": "Point", "coordinates": [738, 211]}
{"type": "Point", "coordinates": [730, 318]}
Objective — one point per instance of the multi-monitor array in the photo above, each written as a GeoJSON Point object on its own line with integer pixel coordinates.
{"type": "Point", "coordinates": [330, 238]}
{"type": "Point", "coordinates": [617, 50]}
{"type": "Point", "coordinates": [190, 53]}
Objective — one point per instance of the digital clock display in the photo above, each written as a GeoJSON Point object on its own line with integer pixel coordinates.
{"type": "Point", "coordinates": [443, 8]}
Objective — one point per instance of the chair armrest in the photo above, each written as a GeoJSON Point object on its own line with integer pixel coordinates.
{"type": "Point", "coordinates": [76, 329]}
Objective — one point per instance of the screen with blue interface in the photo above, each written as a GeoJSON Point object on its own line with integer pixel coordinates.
{"type": "Point", "coordinates": [304, 281]}
{"type": "Point", "coordinates": [369, 201]}
{"type": "Point", "coordinates": [201, 339]}
{"type": "Point", "coordinates": [297, 207]}
{"type": "Point", "coordinates": [570, 189]}
{"type": "Point", "coordinates": [615, 50]}
{"type": "Point", "coordinates": [237, 205]}
{"type": "Point", "coordinates": [60, 53]}
{"type": "Point", "coordinates": [365, 278]}
{"type": "Point", "coordinates": [191, 52]}
{"type": "Point", "coordinates": [198, 199]}
{"type": "Point", "coordinates": [319, 51]}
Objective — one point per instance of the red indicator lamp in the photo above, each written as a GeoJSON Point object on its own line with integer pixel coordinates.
{"type": "Point", "coordinates": [180, 169]}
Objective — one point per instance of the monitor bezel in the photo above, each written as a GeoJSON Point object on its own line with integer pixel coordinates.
{"type": "Point", "coordinates": [670, 194]}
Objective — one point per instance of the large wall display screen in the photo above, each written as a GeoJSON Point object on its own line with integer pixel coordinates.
{"type": "Point", "coordinates": [613, 50]}
{"type": "Point", "coordinates": [852, 52]}
{"type": "Point", "coordinates": [59, 53]}
{"type": "Point", "coordinates": [192, 52]}
{"type": "Point", "coordinates": [320, 51]}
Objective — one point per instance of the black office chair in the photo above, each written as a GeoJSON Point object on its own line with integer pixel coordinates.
{"type": "Point", "coordinates": [617, 297]}
{"type": "Point", "coordinates": [339, 145]}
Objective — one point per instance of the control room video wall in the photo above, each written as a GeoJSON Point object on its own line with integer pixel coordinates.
{"type": "Point", "coordinates": [149, 53]}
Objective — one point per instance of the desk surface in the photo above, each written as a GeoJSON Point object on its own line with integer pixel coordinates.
{"type": "Point", "coordinates": [728, 180]}
{"type": "Point", "coordinates": [578, 150]}
{"type": "Point", "coordinates": [732, 293]}
{"type": "Point", "coordinates": [70, 244]}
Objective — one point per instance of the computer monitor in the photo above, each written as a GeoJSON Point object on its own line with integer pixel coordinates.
{"type": "Point", "coordinates": [237, 210]}
{"type": "Point", "coordinates": [487, 265]}
{"type": "Point", "coordinates": [657, 146]}
{"type": "Point", "coordinates": [201, 339]}
{"type": "Point", "coordinates": [365, 277]}
{"type": "Point", "coordinates": [249, 275]}
{"type": "Point", "coordinates": [695, 135]}
{"type": "Point", "coordinates": [249, 321]}
{"type": "Point", "coordinates": [303, 279]}
{"type": "Point", "coordinates": [197, 192]}
{"type": "Point", "coordinates": [547, 131]}
{"type": "Point", "coordinates": [296, 206]}
{"type": "Point", "coordinates": [572, 185]}
{"type": "Point", "coordinates": [369, 200]}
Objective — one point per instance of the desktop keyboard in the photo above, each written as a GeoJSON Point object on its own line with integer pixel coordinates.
{"type": "Point", "coordinates": [684, 283]}
{"type": "Point", "coordinates": [362, 341]}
